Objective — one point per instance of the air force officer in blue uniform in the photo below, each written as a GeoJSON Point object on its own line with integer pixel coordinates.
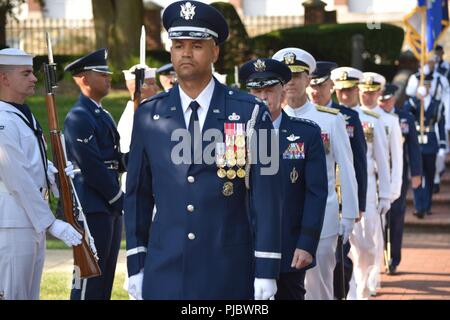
{"type": "Point", "coordinates": [211, 237]}
{"type": "Point", "coordinates": [92, 144]}
{"type": "Point", "coordinates": [412, 168]}
{"type": "Point", "coordinates": [429, 144]}
{"type": "Point", "coordinates": [304, 183]}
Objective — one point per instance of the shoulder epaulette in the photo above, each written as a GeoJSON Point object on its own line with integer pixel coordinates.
{"type": "Point", "coordinates": [306, 121]}
{"type": "Point", "coordinates": [157, 96]}
{"type": "Point", "coordinates": [241, 96]}
{"type": "Point", "coordinates": [371, 113]}
{"type": "Point", "coordinates": [327, 109]}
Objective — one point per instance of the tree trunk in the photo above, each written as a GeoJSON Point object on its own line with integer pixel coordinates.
{"type": "Point", "coordinates": [117, 28]}
{"type": "Point", "coordinates": [2, 27]}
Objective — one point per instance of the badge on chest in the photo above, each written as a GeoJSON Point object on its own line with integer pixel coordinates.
{"type": "Point", "coordinates": [368, 130]}
{"type": "Point", "coordinates": [350, 130]}
{"type": "Point", "coordinates": [231, 156]}
{"type": "Point", "coordinates": [294, 151]}
{"type": "Point", "coordinates": [404, 126]}
{"type": "Point", "coordinates": [326, 141]}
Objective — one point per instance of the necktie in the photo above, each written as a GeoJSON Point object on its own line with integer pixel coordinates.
{"type": "Point", "coordinates": [194, 131]}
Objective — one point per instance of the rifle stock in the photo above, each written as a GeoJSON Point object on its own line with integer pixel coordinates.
{"type": "Point", "coordinates": [85, 261]}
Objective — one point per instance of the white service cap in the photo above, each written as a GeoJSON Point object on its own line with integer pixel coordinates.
{"type": "Point", "coordinates": [15, 57]}
{"type": "Point", "coordinates": [372, 81]}
{"type": "Point", "coordinates": [346, 77]}
{"type": "Point", "coordinates": [296, 59]}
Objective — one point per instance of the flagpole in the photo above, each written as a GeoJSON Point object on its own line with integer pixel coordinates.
{"type": "Point", "coordinates": [423, 53]}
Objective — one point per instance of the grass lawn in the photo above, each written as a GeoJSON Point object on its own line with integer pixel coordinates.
{"type": "Point", "coordinates": [57, 285]}
{"type": "Point", "coordinates": [57, 244]}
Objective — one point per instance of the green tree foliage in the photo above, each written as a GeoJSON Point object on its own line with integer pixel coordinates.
{"type": "Point", "coordinates": [7, 9]}
{"type": "Point", "coordinates": [236, 50]}
{"type": "Point", "coordinates": [333, 42]}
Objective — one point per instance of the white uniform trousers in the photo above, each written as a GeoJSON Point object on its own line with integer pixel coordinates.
{"type": "Point", "coordinates": [22, 254]}
{"type": "Point", "coordinates": [319, 280]}
{"type": "Point", "coordinates": [365, 242]}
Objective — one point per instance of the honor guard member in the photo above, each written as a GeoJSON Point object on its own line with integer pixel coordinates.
{"type": "Point", "coordinates": [92, 144]}
{"type": "Point", "coordinates": [430, 146]}
{"type": "Point", "coordinates": [362, 252]}
{"type": "Point", "coordinates": [369, 92]}
{"type": "Point", "coordinates": [321, 89]}
{"type": "Point", "coordinates": [304, 182]}
{"type": "Point", "coordinates": [25, 177]}
{"type": "Point", "coordinates": [412, 167]}
{"type": "Point", "coordinates": [167, 76]}
{"type": "Point", "coordinates": [319, 280]}
{"type": "Point", "coordinates": [125, 125]}
{"type": "Point", "coordinates": [201, 243]}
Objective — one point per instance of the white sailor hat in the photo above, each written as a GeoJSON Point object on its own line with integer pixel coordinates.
{"type": "Point", "coordinates": [346, 77]}
{"type": "Point", "coordinates": [15, 57]}
{"type": "Point", "coordinates": [149, 72]}
{"type": "Point", "coordinates": [296, 59]}
{"type": "Point", "coordinates": [372, 81]}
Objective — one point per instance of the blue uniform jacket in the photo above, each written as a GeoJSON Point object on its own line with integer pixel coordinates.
{"type": "Point", "coordinates": [201, 244]}
{"type": "Point", "coordinates": [432, 115]}
{"type": "Point", "coordinates": [304, 187]}
{"type": "Point", "coordinates": [92, 143]}
{"type": "Point", "coordinates": [359, 148]}
{"type": "Point", "coordinates": [412, 158]}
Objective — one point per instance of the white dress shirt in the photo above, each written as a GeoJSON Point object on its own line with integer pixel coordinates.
{"type": "Point", "coordinates": [203, 99]}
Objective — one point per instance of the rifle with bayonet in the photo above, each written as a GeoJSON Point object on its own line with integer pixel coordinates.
{"type": "Point", "coordinates": [139, 72]}
{"type": "Point", "coordinates": [84, 255]}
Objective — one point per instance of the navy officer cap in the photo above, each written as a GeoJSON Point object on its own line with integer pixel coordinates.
{"type": "Point", "coordinates": [322, 72]}
{"type": "Point", "coordinates": [265, 72]}
{"type": "Point", "coordinates": [388, 91]}
{"type": "Point", "coordinates": [165, 69]}
{"type": "Point", "coordinates": [94, 61]}
{"type": "Point", "coordinates": [194, 20]}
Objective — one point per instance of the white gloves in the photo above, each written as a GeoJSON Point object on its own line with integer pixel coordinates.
{"type": "Point", "coordinates": [441, 153]}
{"type": "Point", "coordinates": [51, 171]}
{"type": "Point", "coordinates": [383, 206]}
{"type": "Point", "coordinates": [421, 91]}
{"type": "Point", "coordinates": [65, 232]}
{"type": "Point", "coordinates": [135, 285]}
{"type": "Point", "coordinates": [265, 289]}
{"type": "Point", "coordinates": [346, 228]}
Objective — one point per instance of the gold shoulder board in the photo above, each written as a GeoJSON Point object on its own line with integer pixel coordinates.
{"type": "Point", "coordinates": [327, 109]}
{"type": "Point", "coordinates": [371, 113]}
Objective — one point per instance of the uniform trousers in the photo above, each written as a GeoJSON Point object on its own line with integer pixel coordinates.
{"type": "Point", "coordinates": [365, 240]}
{"type": "Point", "coordinates": [107, 232]}
{"type": "Point", "coordinates": [22, 254]}
{"type": "Point", "coordinates": [291, 286]}
{"type": "Point", "coordinates": [397, 219]}
{"type": "Point", "coordinates": [319, 280]}
{"type": "Point", "coordinates": [423, 194]}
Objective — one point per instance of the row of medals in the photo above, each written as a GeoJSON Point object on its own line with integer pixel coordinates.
{"type": "Point", "coordinates": [230, 155]}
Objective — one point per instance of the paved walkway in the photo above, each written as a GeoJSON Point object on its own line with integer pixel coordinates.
{"type": "Point", "coordinates": [424, 272]}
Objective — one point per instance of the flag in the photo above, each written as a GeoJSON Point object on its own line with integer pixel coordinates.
{"type": "Point", "coordinates": [437, 22]}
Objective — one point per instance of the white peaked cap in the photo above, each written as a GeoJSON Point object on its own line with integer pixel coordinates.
{"type": "Point", "coordinates": [296, 59]}
{"type": "Point", "coordinates": [149, 72]}
{"type": "Point", "coordinates": [15, 57]}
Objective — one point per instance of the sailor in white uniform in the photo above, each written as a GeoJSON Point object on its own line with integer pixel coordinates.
{"type": "Point", "coordinates": [25, 177]}
{"type": "Point", "coordinates": [363, 251]}
{"type": "Point", "coordinates": [369, 92]}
